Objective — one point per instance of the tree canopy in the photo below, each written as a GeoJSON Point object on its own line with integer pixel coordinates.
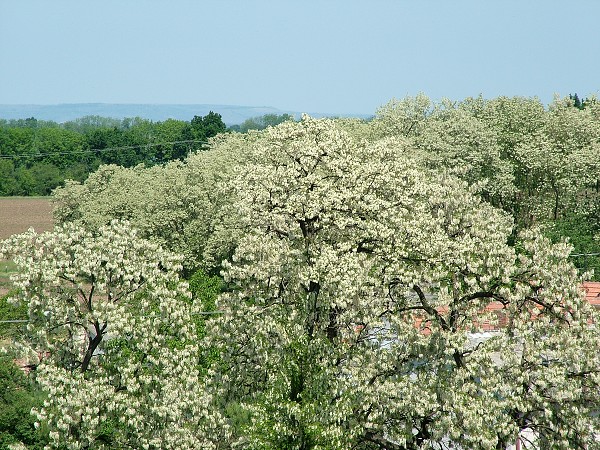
{"type": "Point", "coordinates": [38, 156]}
{"type": "Point", "coordinates": [261, 122]}
{"type": "Point", "coordinates": [112, 325]}
{"type": "Point", "coordinates": [359, 277]}
{"type": "Point", "coordinates": [363, 264]}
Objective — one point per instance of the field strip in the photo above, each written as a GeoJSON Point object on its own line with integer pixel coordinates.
{"type": "Point", "coordinates": [17, 214]}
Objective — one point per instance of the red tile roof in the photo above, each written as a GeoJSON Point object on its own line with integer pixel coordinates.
{"type": "Point", "coordinates": [592, 292]}
{"type": "Point", "coordinates": [592, 295]}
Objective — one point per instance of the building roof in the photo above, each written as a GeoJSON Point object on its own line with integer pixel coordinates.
{"type": "Point", "coordinates": [592, 292]}
{"type": "Point", "coordinates": [498, 312]}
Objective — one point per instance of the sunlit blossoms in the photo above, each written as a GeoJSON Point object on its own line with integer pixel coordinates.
{"type": "Point", "coordinates": [113, 324]}
{"type": "Point", "coordinates": [361, 277]}
{"type": "Point", "coordinates": [389, 284]}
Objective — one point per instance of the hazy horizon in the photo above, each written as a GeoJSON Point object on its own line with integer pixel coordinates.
{"type": "Point", "coordinates": [338, 56]}
{"type": "Point", "coordinates": [231, 114]}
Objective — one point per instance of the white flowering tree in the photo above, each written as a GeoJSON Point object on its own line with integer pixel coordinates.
{"type": "Point", "coordinates": [176, 205]}
{"type": "Point", "coordinates": [456, 141]}
{"type": "Point", "coordinates": [359, 278]}
{"type": "Point", "coordinates": [538, 164]}
{"type": "Point", "coordinates": [552, 153]}
{"type": "Point", "coordinates": [113, 325]}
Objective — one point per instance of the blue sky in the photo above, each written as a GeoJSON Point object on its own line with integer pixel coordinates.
{"type": "Point", "coordinates": [336, 56]}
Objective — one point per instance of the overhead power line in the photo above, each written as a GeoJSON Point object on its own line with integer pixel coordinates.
{"type": "Point", "coordinates": [199, 313]}
{"type": "Point", "coordinates": [101, 150]}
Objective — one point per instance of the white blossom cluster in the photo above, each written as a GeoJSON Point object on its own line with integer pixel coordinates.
{"type": "Point", "coordinates": [177, 205]}
{"type": "Point", "coordinates": [532, 162]}
{"type": "Point", "coordinates": [359, 276]}
{"type": "Point", "coordinates": [114, 323]}
{"type": "Point", "coordinates": [363, 259]}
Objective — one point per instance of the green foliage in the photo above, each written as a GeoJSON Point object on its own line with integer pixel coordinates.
{"type": "Point", "coordinates": [37, 156]}
{"type": "Point", "coordinates": [205, 127]}
{"type": "Point", "coordinates": [576, 102]}
{"type": "Point", "coordinates": [9, 185]}
{"type": "Point", "coordinates": [582, 103]}
{"type": "Point", "coordinates": [89, 124]}
{"type": "Point", "coordinates": [262, 122]}
{"type": "Point", "coordinates": [205, 290]}
{"type": "Point", "coordinates": [9, 311]}
{"type": "Point", "coordinates": [584, 236]}
{"type": "Point", "coordinates": [18, 395]}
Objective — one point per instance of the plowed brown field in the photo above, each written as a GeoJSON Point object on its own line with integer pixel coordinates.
{"type": "Point", "coordinates": [17, 214]}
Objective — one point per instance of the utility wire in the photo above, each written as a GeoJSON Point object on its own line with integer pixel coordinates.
{"type": "Point", "coordinates": [101, 150]}
{"type": "Point", "coordinates": [199, 313]}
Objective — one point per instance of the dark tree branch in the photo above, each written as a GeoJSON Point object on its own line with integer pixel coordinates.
{"type": "Point", "coordinates": [93, 345]}
{"type": "Point", "coordinates": [430, 309]}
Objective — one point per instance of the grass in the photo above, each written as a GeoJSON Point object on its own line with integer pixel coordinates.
{"type": "Point", "coordinates": [8, 331]}
{"type": "Point", "coordinates": [7, 268]}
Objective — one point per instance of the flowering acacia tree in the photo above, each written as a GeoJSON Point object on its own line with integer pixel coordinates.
{"type": "Point", "coordinates": [176, 205]}
{"type": "Point", "coordinates": [108, 311]}
{"type": "Point", "coordinates": [535, 163]}
{"type": "Point", "coordinates": [538, 164]}
{"type": "Point", "coordinates": [359, 277]}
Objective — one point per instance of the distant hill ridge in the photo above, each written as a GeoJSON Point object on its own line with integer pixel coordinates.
{"type": "Point", "coordinates": [156, 112]}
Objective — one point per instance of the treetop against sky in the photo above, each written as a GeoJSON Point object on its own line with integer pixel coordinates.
{"type": "Point", "coordinates": [334, 238]}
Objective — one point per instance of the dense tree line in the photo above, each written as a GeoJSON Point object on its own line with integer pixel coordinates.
{"type": "Point", "coordinates": [538, 164]}
{"type": "Point", "coordinates": [335, 271]}
{"type": "Point", "coordinates": [261, 122]}
{"type": "Point", "coordinates": [37, 156]}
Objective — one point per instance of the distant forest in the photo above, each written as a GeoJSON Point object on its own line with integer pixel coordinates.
{"type": "Point", "coordinates": [36, 156]}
